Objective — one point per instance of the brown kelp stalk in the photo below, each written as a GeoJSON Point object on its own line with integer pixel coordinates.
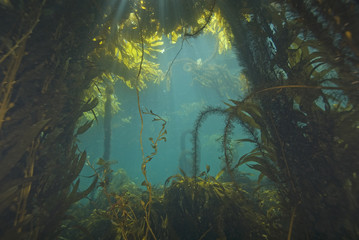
{"type": "Point", "coordinates": [25, 191]}
{"type": "Point", "coordinates": [107, 122]}
{"type": "Point", "coordinates": [194, 34]}
{"type": "Point", "coordinates": [145, 160]}
{"type": "Point", "coordinates": [146, 182]}
{"type": "Point", "coordinates": [17, 52]}
{"type": "Point", "coordinates": [8, 83]}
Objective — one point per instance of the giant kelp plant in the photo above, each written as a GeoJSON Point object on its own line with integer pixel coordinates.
{"type": "Point", "coordinates": [60, 59]}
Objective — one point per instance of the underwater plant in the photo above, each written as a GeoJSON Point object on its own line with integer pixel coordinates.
{"type": "Point", "coordinates": [299, 83]}
{"type": "Point", "coordinates": [203, 207]}
{"type": "Point", "coordinates": [38, 151]}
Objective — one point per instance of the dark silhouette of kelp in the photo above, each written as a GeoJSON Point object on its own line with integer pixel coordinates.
{"type": "Point", "coordinates": [300, 59]}
{"type": "Point", "coordinates": [195, 135]}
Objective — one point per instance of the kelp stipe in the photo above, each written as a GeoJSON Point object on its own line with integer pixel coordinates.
{"type": "Point", "coordinates": [107, 122]}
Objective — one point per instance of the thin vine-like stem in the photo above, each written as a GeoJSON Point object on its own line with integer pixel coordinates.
{"type": "Point", "coordinates": [292, 222]}
{"type": "Point", "coordinates": [174, 59]}
{"type": "Point", "coordinates": [26, 35]}
{"type": "Point", "coordinates": [8, 82]}
{"type": "Point", "coordinates": [137, 85]}
{"type": "Point", "coordinates": [186, 35]}
{"type": "Point", "coordinates": [283, 155]}
{"type": "Point", "coordinates": [208, 20]}
{"type": "Point", "coordinates": [205, 233]}
{"type": "Point", "coordinates": [140, 113]}
{"type": "Point", "coordinates": [103, 181]}
{"type": "Point", "coordinates": [26, 188]}
{"type": "Point", "coordinates": [147, 206]}
{"type": "Point", "coordinates": [147, 159]}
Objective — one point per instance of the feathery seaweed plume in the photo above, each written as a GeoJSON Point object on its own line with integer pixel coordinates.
{"type": "Point", "coordinates": [226, 141]}
{"type": "Point", "coordinates": [195, 135]}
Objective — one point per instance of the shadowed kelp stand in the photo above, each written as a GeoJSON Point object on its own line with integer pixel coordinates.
{"type": "Point", "coordinates": [301, 60]}
{"type": "Point", "coordinates": [44, 69]}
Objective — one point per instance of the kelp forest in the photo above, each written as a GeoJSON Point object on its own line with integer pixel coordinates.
{"type": "Point", "coordinates": [294, 95]}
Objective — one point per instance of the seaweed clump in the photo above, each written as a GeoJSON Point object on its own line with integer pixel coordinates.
{"type": "Point", "coordinates": [206, 208]}
{"type": "Point", "coordinates": [186, 208]}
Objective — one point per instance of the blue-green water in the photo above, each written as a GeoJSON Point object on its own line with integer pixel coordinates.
{"type": "Point", "coordinates": [179, 102]}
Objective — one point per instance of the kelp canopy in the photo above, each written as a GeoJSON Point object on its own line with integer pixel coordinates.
{"type": "Point", "coordinates": [300, 58]}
